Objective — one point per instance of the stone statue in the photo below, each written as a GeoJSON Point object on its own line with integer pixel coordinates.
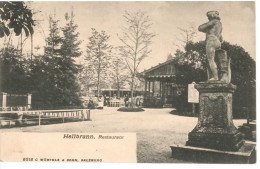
{"type": "Point", "coordinates": [215, 129]}
{"type": "Point", "coordinates": [213, 30]}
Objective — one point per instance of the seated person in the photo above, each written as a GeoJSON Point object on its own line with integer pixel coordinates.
{"type": "Point", "coordinates": [91, 104]}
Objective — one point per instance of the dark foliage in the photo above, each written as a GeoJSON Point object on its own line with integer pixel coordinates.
{"type": "Point", "coordinates": [243, 70]}
{"type": "Point", "coordinates": [13, 72]}
{"type": "Point", "coordinates": [50, 78]}
{"type": "Point", "coordinates": [54, 75]}
{"type": "Point", "coordinates": [129, 109]}
{"type": "Point", "coordinates": [16, 16]}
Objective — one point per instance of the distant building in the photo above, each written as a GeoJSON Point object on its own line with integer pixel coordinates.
{"type": "Point", "coordinates": [122, 92]}
{"type": "Point", "coordinates": [161, 87]}
{"type": "Point", "coordinates": [111, 92]}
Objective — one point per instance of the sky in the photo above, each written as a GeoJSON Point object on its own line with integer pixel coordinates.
{"type": "Point", "coordinates": [238, 20]}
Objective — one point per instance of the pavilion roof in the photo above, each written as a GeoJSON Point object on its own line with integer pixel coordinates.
{"type": "Point", "coordinates": [158, 71]}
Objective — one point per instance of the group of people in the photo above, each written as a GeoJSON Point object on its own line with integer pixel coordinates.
{"type": "Point", "coordinates": [102, 101]}
{"type": "Point", "coordinates": [108, 99]}
{"type": "Point", "coordinates": [99, 103]}
{"type": "Point", "coordinates": [138, 101]}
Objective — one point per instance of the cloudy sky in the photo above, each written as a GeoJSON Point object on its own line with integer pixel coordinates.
{"type": "Point", "coordinates": [238, 20]}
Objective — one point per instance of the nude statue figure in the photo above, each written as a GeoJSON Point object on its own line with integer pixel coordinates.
{"type": "Point", "coordinates": [213, 30]}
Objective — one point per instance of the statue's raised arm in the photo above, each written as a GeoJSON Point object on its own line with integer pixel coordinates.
{"type": "Point", "coordinates": [204, 27]}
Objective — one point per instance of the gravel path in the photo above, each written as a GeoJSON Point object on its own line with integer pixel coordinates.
{"type": "Point", "coordinates": [156, 130]}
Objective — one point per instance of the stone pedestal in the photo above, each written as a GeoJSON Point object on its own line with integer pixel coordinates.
{"type": "Point", "coordinates": [29, 101]}
{"type": "Point", "coordinates": [245, 155]}
{"type": "Point", "coordinates": [215, 128]}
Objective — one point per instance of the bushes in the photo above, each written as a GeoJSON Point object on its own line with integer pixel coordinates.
{"type": "Point", "coordinates": [128, 109]}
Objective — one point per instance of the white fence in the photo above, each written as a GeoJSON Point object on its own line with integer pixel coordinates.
{"type": "Point", "coordinates": [39, 115]}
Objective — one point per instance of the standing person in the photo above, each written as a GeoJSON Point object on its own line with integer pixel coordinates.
{"type": "Point", "coordinates": [141, 101]}
{"type": "Point", "coordinates": [137, 101]}
{"type": "Point", "coordinates": [105, 100]}
{"type": "Point", "coordinates": [85, 104]}
{"type": "Point", "coordinates": [108, 101]}
{"type": "Point", "coordinates": [100, 102]}
{"type": "Point", "coordinates": [126, 101]}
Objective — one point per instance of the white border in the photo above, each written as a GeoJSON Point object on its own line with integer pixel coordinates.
{"type": "Point", "coordinates": [23, 165]}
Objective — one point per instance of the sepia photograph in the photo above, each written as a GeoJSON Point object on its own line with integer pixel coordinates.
{"type": "Point", "coordinates": [128, 81]}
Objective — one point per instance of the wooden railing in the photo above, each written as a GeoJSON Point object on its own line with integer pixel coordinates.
{"type": "Point", "coordinates": [81, 114]}
{"type": "Point", "coordinates": [116, 103]}
{"type": "Point", "coordinates": [15, 108]}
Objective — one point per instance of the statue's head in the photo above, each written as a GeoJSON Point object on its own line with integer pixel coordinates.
{"type": "Point", "coordinates": [213, 15]}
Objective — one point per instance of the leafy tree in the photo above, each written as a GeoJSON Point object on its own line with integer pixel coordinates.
{"type": "Point", "coordinates": [136, 40]}
{"type": "Point", "coordinates": [119, 72]}
{"type": "Point", "coordinates": [14, 78]}
{"type": "Point", "coordinates": [98, 57]}
{"type": "Point", "coordinates": [17, 17]}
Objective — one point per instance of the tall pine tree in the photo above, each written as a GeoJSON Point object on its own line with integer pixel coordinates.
{"type": "Point", "coordinates": [45, 71]}
{"type": "Point", "coordinates": [55, 73]}
{"type": "Point", "coordinates": [68, 81]}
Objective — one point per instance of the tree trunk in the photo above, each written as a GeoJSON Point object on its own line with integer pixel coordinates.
{"type": "Point", "coordinates": [99, 66]}
{"type": "Point", "coordinates": [98, 83]}
{"type": "Point", "coordinates": [7, 46]}
{"type": "Point", "coordinates": [118, 86]}
{"type": "Point", "coordinates": [118, 92]}
{"type": "Point", "coordinates": [21, 43]}
{"type": "Point", "coordinates": [31, 46]}
{"type": "Point", "coordinates": [132, 93]}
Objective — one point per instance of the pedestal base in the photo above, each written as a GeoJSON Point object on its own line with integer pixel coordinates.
{"type": "Point", "coordinates": [218, 141]}
{"type": "Point", "coordinates": [215, 128]}
{"type": "Point", "coordinates": [245, 155]}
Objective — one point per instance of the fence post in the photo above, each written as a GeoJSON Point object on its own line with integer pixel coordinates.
{"type": "Point", "coordinates": [88, 114]}
{"type": "Point", "coordinates": [193, 109]}
{"type": "Point", "coordinates": [39, 118]}
{"type": "Point", "coordinates": [82, 115]}
{"type": "Point", "coordinates": [4, 100]}
{"type": "Point", "coordinates": [63, 117]}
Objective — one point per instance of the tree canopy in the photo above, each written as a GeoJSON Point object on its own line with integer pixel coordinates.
{"type": "Point", "coordinates": [98, 57]}
{"type": "Point", "coordinates": [136, 40]}
{"type": "Point", "coordinates": [54, 74]}
{"type": "Point", "coordinates": [13, 74]}
{"type": "Point", "coordinates": [16, 16]}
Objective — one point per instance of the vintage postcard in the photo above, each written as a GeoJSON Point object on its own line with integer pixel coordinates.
{"type": "Point", "coordinates": [128, 82]}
